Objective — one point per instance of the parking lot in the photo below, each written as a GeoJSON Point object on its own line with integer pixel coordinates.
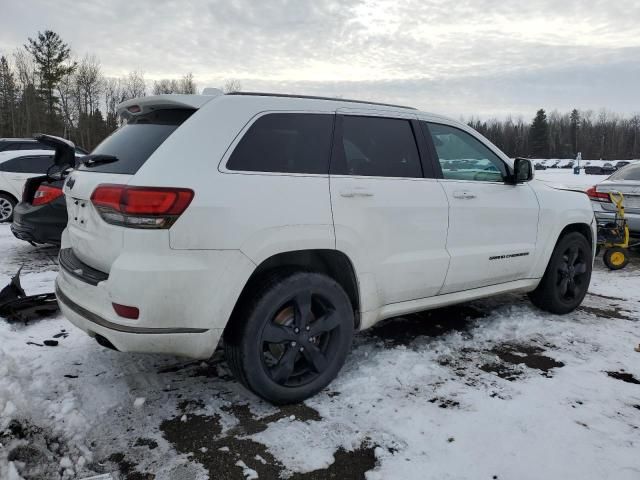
{"type": "Point", "coordinates": [494, 387]}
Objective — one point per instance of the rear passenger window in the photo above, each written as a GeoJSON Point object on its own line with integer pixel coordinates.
{"type": "Point", "coordinates": [33, 164]}
{"type": "Point", "coordinates": [377, 147]}
{"type": "Point", "coordinates": [285, 143]}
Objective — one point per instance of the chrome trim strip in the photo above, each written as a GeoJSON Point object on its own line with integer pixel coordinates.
{"type": "Point", "coordinates": [98, 320]}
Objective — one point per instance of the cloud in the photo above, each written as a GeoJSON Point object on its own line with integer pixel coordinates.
{"type": "Point", "coordinates": [484, 57]}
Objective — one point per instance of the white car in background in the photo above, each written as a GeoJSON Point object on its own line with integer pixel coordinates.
{"type": "Point", "coordinates": [283, 223]}
{"type": "Point", "coordinates": [16, 167]}
{"type": "Point", "coordinates": [626, 181]}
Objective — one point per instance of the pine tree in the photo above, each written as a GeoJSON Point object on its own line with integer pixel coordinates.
{"type": "Point", "coordinates": [539, 135]}
{"type": "Point", "coordinates": [8, 99]}
{"type": "Point", "coordinates": [575, 128]}
{"type": "Point", "coordinates": [50, 54]}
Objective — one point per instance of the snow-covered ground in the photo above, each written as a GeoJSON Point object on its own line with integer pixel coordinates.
{"type": "Point", "coordinates": [562, 176]}
{"type": "Point", "coordinates": [493, 389]}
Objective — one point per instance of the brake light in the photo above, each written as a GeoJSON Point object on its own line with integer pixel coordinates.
{"type": "Point", "coordinates": [141, 207]}
{"type": "Point", "coordinates": [598, 196]}
{"type": "Point", "coordinates": [45, 194]}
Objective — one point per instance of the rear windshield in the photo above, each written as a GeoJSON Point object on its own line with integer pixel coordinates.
{"type": "Point", "coordinates": [134, 142]}
{"type": "Point", "coordinates": [630, 172]}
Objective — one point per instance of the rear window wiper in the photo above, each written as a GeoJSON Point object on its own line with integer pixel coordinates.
{"type": "Point", "coordinates": [98, 159]}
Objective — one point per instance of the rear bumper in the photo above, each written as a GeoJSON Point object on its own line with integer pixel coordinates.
{"type": "Point", "coordinates": [184, 299]}
{"type": "Point", "coordinates": [186, 342]}
{"type": "Point", "coordinates": [40, 224]}
{"type": "Point", "coordinates": [633, 219]}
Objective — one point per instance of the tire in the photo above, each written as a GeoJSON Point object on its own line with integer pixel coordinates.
{"type": "Point", "coordinates": [566, 280]}
{"type": "Point", "coordinates": [7, 204]}
{"type": "Point", "coordinates": [289, 337]}
{"type": "Point", "coordinates": [615, 258]}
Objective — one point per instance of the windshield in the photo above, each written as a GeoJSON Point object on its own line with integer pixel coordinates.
{"type": "Point", "coordinates": [134, 142]}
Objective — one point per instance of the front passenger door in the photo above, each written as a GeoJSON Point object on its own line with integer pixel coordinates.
{"type": "Point", "coordinates": [493, 225]}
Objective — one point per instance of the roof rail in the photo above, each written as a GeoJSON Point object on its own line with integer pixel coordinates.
{"type": "Point", "coordinates": [313, 97]}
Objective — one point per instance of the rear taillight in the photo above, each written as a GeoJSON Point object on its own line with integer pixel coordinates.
{"type": "Point", "coordinates": [141, 207]}
{"type": "Point", "coordinates": [45, 194]}
{"type": "Point", "coordinates": [598, 196]}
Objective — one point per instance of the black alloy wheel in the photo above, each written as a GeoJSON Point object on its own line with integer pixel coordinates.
{"type": "Point", "coordinates": [566, 279]}
{"type": "Point", "coordinates": [300, 337]}
{"type": "Point", "coordinates": [289, 335]}
{"type": "Point", "coordinates": [572, 272]}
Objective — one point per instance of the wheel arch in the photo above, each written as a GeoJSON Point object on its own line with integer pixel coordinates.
{"type": "Point", "coordinates": [333, 263]}
{"type": "Point", "coordinates": [583, 228]}
{"type": "Point", "coordinates": [9, 194]}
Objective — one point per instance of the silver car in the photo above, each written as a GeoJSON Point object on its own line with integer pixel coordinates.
{"type": "Point", "coordinates": [626, 181]}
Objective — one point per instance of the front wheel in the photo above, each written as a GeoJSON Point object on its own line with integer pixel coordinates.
{"type": "Point", "coordinates": [566, 280]}
{"type": "Point", "coordinates": [290, 338]}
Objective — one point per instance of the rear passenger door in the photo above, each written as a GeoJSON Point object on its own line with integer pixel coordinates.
{"type": "Point", "coordinates": [390, 215]}
{"type": "Point", "coordinates": [493, 224]}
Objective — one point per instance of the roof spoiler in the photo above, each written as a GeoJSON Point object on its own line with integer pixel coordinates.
{"type": "Point", "coordinates": [142, 105]}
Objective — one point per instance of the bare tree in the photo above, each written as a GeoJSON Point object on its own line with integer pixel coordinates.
{"type": "Point", "coordinates": [186, 85]}
{"type": "Point", "coordinates": [232, 85]}
{"type": "Point", "coordinates": [134, 85]}
{"type": "Point", "coordinates": [164, 86]}
{"type": "Point", "coordinates": [67, 93]}
{"type": "Point", "coordinates": [113, 95]}
{"type": "Point", "coordinates": [89, 84]}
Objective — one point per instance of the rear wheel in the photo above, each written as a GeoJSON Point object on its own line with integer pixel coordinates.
{"type": "Point", "coordinates": [290, 339]}
{"type": "Point", "coordinates": [7, 204]}
{"type": "Point", "coordinates": [615, 258]}
{"type": "Point", "coordinates": [567, 277]}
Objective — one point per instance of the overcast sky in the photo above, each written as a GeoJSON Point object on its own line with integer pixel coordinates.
{"type": "Point", "coordinates": [457, 57]}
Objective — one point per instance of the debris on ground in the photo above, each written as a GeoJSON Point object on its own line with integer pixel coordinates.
{"type": "Point", "coordinates": [17, 306]}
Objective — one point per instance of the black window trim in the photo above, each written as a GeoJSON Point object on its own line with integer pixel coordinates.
{"type": "Point", "coordinates": [436, 160]}
{"type": "Point", "coordinates": [426, 162]}
{"type": "Point", "coordinates": [226, 156]}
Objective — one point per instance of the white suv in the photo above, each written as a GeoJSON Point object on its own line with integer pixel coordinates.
{"type": "Point", "coordinates": [282, 224]}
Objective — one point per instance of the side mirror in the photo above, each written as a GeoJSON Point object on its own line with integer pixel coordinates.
{"type": "Point", "coordinates": [522, 170]}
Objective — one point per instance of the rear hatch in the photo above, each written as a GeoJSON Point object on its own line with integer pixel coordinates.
{"type": "Point", "coordinates": [93, 240]}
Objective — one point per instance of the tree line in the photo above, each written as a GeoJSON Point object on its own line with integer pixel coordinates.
{"type": "Point", "coordinates": [604, 135]}
{"type": "Point", "coordinates": [45, 88]}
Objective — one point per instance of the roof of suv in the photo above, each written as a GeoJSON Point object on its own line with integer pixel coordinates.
{"type": "Point", "coordinates": [313, 97]}
{"type": "Point", "coordinates": [142, 105]}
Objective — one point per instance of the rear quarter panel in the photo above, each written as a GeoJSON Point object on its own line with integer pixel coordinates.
{"type": "Point", "coordinates": [259, 213]}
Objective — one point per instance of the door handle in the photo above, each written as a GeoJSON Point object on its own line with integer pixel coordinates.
{"type": "Point", "coordinates": [464, 194]}
{"type": "Point", "coordinates": [356, 192]}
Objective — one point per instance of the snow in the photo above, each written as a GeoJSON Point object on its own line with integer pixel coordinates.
{"type": "Point", "coordinates": [566, 177]}
{"type": "Point", "coordinates": [248, 473]}
{"type": "Point", "coordinates": [425, 405]}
